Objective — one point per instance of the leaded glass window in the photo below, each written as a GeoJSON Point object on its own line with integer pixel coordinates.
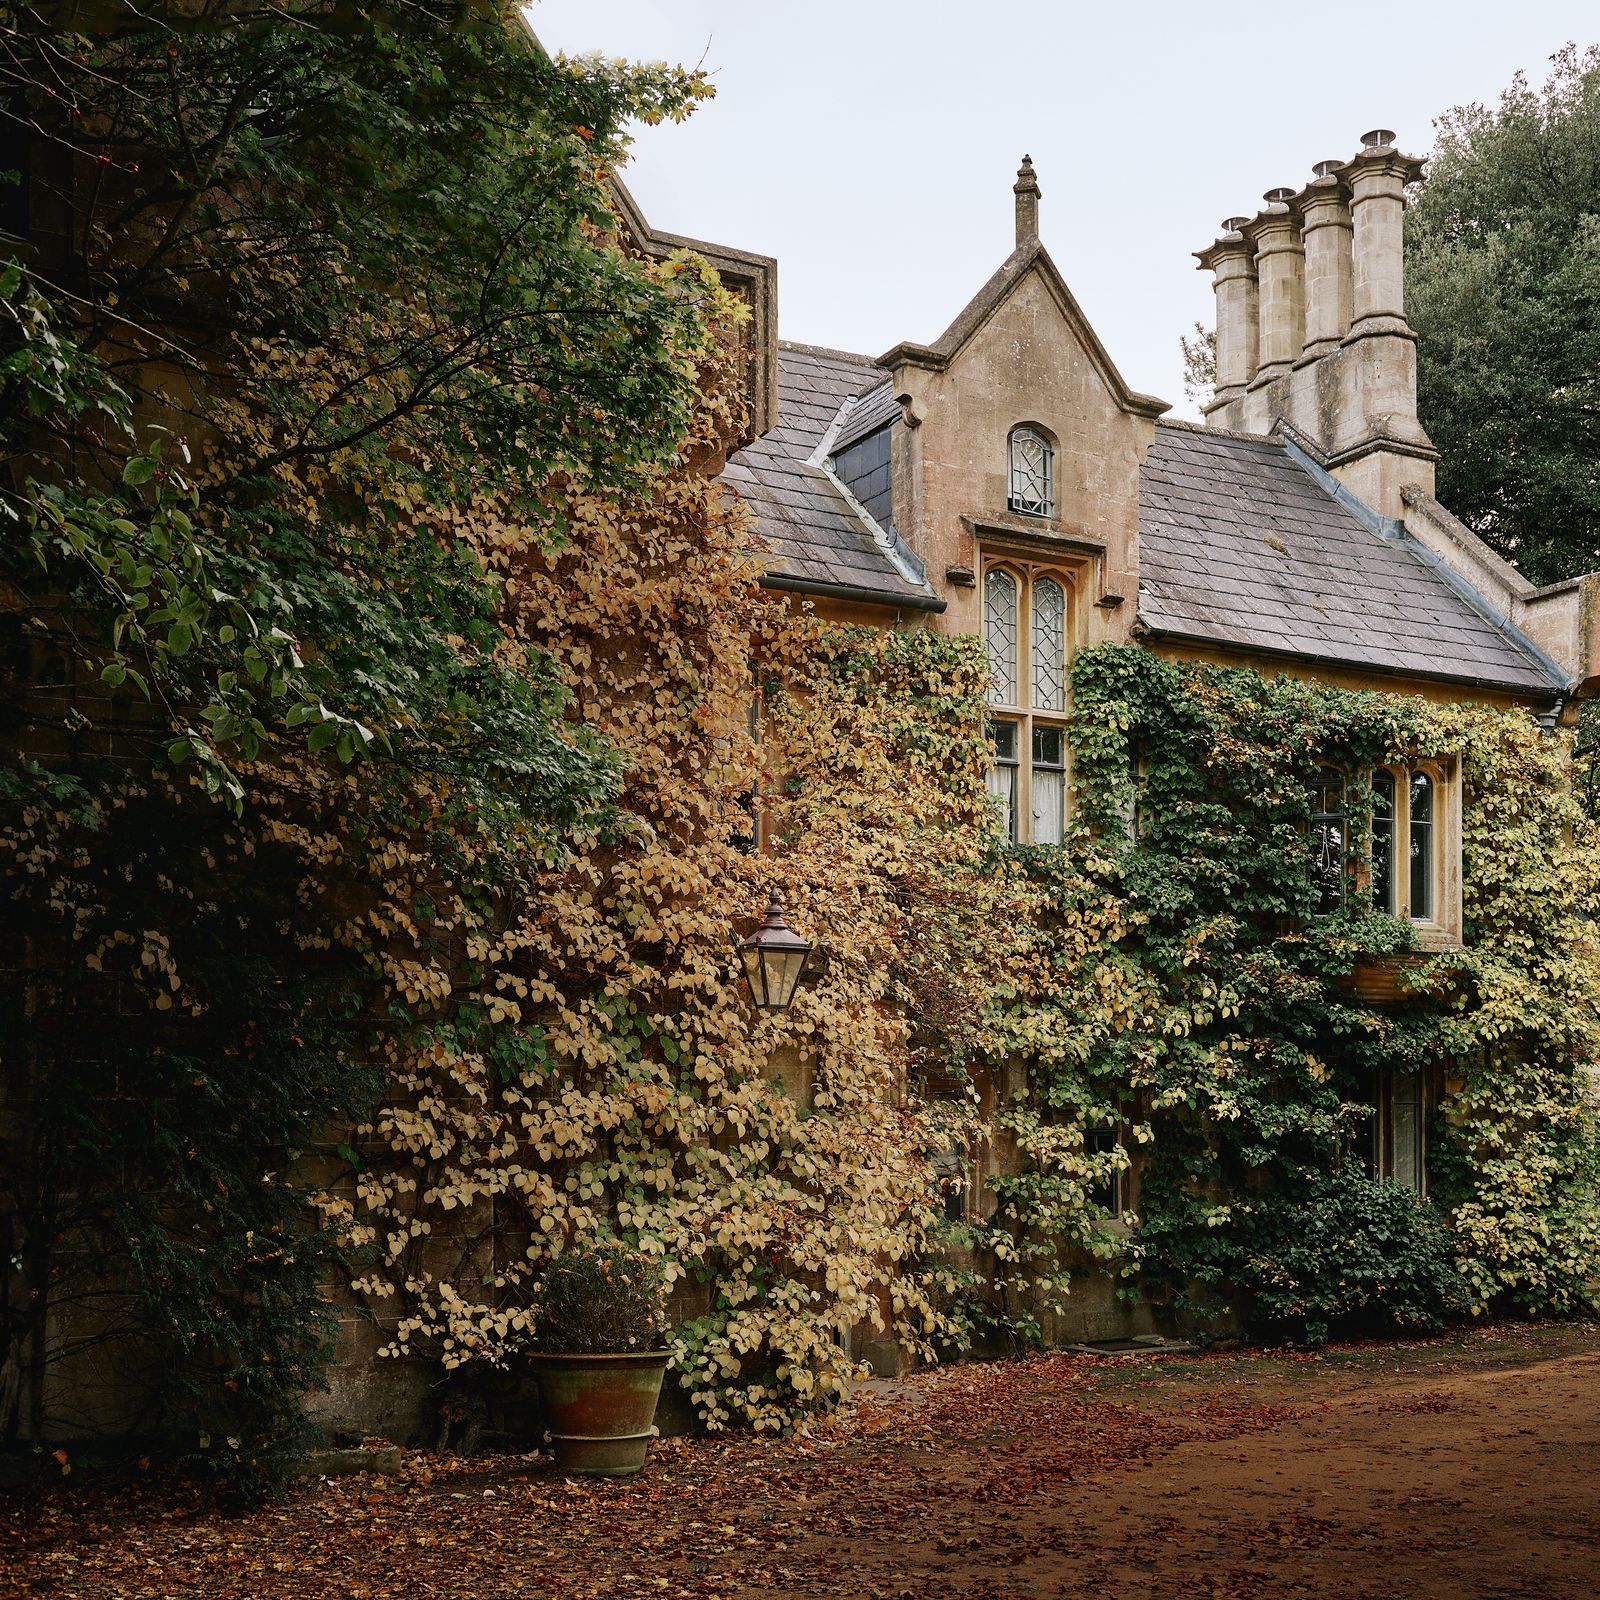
{"type": "Point", "coordinates": [1049, 645]}
{"type": "Point", "coordinates": [1032, 474]}
{"type": "Point", "coordinates": [1383, 840]}
{"type": "Point", "coordinates": [1000, 635]}
{"type": "Point", "coordinates": [1027, 622]}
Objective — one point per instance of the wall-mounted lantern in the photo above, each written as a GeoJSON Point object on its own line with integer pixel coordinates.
{"type": "Point", "coordinates": [774, 959]}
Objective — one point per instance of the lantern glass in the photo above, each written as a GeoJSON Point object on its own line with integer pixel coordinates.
{"type": "Point", "coordinates": [774, 959]}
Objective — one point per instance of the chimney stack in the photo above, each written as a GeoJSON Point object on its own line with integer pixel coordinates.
{"type": "Point", "coordinates": [1326, 230]}
{"type": "Point", "coordinates": [1377, 180]}
{"type": "Point", "coordinates": [1336, 359]}
{"type": "Point", "coordinates": [1233, 264]}
{"type": "Point", "coordinates": [1280, 269]}
{"type": "Point", "coordinates": [1026, 189]}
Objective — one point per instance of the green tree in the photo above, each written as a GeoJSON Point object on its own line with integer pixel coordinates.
{"type": "Point", "coordinates": [1503, 289]}
{"type": "Point", "coordinates": [313, 305]}
{"type": "Point", "coordinates": [1199, 352]}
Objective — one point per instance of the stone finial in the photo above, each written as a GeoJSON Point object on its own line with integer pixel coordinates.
{"type": "Point", "coordinates": [1026, 189]}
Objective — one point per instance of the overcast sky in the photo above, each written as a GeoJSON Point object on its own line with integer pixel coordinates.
{"type": "Point", "coordinates": [871, 145]}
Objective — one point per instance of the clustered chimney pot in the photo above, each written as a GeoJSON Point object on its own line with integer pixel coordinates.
{"type": "Point", "coordinates": [1315, 280]}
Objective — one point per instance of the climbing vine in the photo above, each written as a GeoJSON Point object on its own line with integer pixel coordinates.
{"type": "Point", "coordinates": [1217, 1020]}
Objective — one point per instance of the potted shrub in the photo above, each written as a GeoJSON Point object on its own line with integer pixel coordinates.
{"type": "Point", "coordinates": [599, 1334]}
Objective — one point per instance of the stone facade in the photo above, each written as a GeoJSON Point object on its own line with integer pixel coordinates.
{"type": "Point", "coordinates": [1297, 531]}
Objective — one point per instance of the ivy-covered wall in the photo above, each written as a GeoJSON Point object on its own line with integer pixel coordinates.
{"type": "Point", "coordinates": [378, 820]}
{"type": "Point", "coordinates": [1182, 988]}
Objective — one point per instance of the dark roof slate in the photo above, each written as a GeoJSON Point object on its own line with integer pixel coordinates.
{"type": "Point", "coordinates": [815, 536]}
{"type": "Point", "coordinates": [871, 412]}
{"type": "Point", "coordinates": [1241, 545]}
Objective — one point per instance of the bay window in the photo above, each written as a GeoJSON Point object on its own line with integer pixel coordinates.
{"type": "Point", "coordinates": [1409, 863]}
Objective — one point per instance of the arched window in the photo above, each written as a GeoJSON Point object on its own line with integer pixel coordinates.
{"type": "Point", "coordinates": [1027, 621]}
{"type": "Point", "coordinates": [1327, 840]}
{"type": "Point", "coordinates": [1420, 819]}
{"type": "Point", "coordinates": [1383, 836]}
{"type": "Point", "coordinates": [1000, 635]}
{"type": "Point", "coordinates": [1410, 822]}
{"type": "Point", "coordinates": [1032, 462]}
{"type": "Point", "coordinates": [1049, 645]}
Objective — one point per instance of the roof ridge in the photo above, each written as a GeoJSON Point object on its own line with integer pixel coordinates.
{"type": "Point", "coordinates": [1186, 426]}
{"type": "Point", "coordinates": [827, 350]}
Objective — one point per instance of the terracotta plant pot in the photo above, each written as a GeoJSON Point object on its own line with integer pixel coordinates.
{"type": "Point", "coordinates": [601, 1409]}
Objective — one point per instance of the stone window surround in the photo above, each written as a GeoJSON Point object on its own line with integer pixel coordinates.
{"type": "Point", "coordinates": [1026, 571]}
{"type": "Point", "coordinates": [1082, 556]}
{"type": "Point", "coordinates": [1018, 437]}
{"type": "Point", "coordinates": [1443, 929]}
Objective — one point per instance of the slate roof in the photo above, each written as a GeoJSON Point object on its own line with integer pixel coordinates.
{"type": "Point", "coordinates": [872, 411]}
{"type": "Point", "coordinates": [816, 538]}
{"type": "Point", "coordinates": [1242, 544]}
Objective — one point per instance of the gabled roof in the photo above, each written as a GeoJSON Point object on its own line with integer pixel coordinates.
{"type": "Point", "coordinates": [1245, 543]}
{"type": "Point", "coordinates": [1029, 256]}
{"type": "Point", "coordinates": [820, 540]}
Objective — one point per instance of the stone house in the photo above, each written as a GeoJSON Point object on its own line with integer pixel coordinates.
{"type": "Point", "coordinates": [1005, 482]}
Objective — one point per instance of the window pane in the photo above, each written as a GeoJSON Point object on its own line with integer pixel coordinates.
{"type": "Point", "coordinates": [1406, 1120]}
{"type": "Point", "coordinates": [952, 1174]}
{"type": "Point", "coordinates": [1133, 816]}
{"type": "Point", "coordinates": [1422, 824]}
{"type": "Point", "coordinates": [1105, 1191]}
{"type": "Point", "coordinates": [1032, 472]}
{"type": "Point", "coordinates": [1002, 778]}
{"type": "Point", "coordinates": [1049, 784]}
{"type": "Point", "coordinates": [1000, 635]}
{"type": "Point", "coordinates": [1383, 841]}
{"type": "Point", "coordinates": [1049, 645]}
{"type": "Point", "coordinates": [1327, 841]}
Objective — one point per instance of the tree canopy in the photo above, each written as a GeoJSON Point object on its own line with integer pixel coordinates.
{"type": "Point", "coordinates": [1503, 289]}
{"type": "Point", "coordinates": [308, 307]}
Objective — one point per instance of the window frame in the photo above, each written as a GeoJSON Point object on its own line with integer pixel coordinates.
{"type": "Point", "coordinates": [1440, 927]}
{"type": "Point", "coordinates": [1110, 1193]}
{"type": "Point", "coordinates": [1319, 837]}
{"type": "Point", "coordinates": [1442, 922]}
{"type": "Point", "coordinates": [1020, 712]}
{"type": "Point", "coordinates": [1031, 506]}
{"type": "Point", "coordinates": [1381, 1151]}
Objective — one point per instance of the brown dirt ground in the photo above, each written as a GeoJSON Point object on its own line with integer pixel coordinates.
{"type": "Point", "coordinates": [1439, 1470]}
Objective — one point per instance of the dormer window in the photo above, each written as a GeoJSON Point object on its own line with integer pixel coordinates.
{"type": "Point", "coordinates": [1033, 489]}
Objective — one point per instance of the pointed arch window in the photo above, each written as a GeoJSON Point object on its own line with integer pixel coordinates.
{"type": "Point", "coordinates": [1032, 465]}
{"type": "Point", "coordinates": [1409, 864]}
{"type": "Point", "coordinates": [1027, 623]}
{"type": "Point", "coordinates": [1408, 857]}
{"type": "Point", "coordinates": [1049, 615]}
{"type": "Point", "coordinates": [1000, 634]}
